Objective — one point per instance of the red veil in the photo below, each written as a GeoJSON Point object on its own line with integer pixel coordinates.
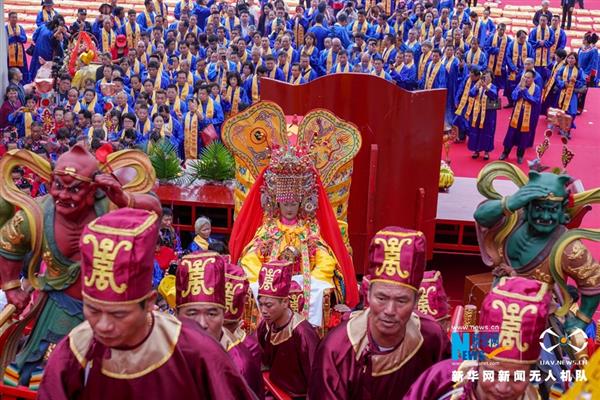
{"type": "Point", "coordinates": [250, 218]}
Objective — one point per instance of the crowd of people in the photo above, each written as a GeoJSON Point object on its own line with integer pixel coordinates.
{"type": "Point", "coordinates": [176, 80]}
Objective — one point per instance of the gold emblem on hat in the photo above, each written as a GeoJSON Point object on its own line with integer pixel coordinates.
{"type": "Point", "coordinates": [230, 290]}
{"type": "Point", "coordinates": [423, 303]}
{"type": "Point", "coordinates": [103, 262]}
{"type": "Point", "coordinates": [392, 247]}
{"type": "Point", "coordinates": [270, 275]}
{"type": "Point", "coordinates": [196, 282]}
{"type": "Point", "coordinates": [512, 319]}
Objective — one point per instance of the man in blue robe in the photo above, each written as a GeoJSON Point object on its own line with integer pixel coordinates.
{"type": "Point", "coordinates": [146, 19]}
{"type": "Point", "coordinates": [464, 103]}
{"type": "Point", "coordinates": [497, 47]}
{"type": "Point", "coordinates": [319, 31]}
{"type": "Point", "coordinates": [47, 44]}
{"type": "Point", "coordinates": [16, 46]}
{"type": "Point", "coordinates": [340, 31]}
{"type": "Point", "coordinates": [521, 129]}
{"type": "Point", "coordinates": [453, 80]}
{"type": "Point", "coordinates": [46, 14]}
{"type": "Point", "coordinates": [406, 77]}
{"type": "Point", "coordinates": [435, 72]}
{"type": "Point", "coordinates": [515, 58]}
{"type": "Point", "coordinates": [541, 39]}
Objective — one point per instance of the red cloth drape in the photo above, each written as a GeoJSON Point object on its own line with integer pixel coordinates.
{"type": "Point", "coordinates": [250, 218]}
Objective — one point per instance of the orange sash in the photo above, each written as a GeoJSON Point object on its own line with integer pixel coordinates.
{"type": "Point", "coordinates": [567, 93]}
{"type": "Point", "coordinates": [464, 98]}
{"type": "Point", "coordinates": [480, 105]}
{"type": "Point", "coordinates": [190, 135]}
{"type": "Point", "coordinates": [492, 64]}
{"type": "Point", "coordinates": [552, 79]}
{"type": "Point", "coordinates": [15, 51]}
{"type": "Point", "coordinates": [234, 99]}
{"type": "Point", "coordinates": [515, 57]}
{"type": "Point", "coordinates": [298, 31]}
{"type": "Point", "coordinates": [557, 32]}
{"type": "Point", "coordinates": [474, 58]}
{"type": "Point", "coordinates": [133, 36]}
{"type": "Point", "coordinates": [426, 33]}
{"type": "Point", "coordinates": [525, 107]}
{"type": "Point", "coordinates": [422, 62]}
{"type": "Point", "coordinates": [431, 74]}
{"type": "Point", "coordinates": [541, 53]}
{"type": "Point", "coordinates": [255, 94]}
{"type": "Point", "coordinates": [363, 28]}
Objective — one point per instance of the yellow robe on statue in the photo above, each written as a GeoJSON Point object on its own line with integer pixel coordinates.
{"type": "Point", "coordinates": [271, 239]}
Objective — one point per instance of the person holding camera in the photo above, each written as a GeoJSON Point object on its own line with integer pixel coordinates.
{"type": "Point", "coordinates": [48, 40]}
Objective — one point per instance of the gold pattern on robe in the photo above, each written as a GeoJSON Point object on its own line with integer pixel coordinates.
{"type": "Point", "coordinates": [286, 333]}
{"type": "Point", "coordinates": [228, 340]}
{"type": "Point", "coordinates": [387, 363]}
{"type": "Point", "coordinates": [295, 299]}
{"type": "Point", "coordinates": [577, 251]}
{"type": "Point", "coordinates": [156, 350]}
{"type": "Point", "coordinates": [10, 234]}
{"type": "Point", "coordinates": [579, 264]}
{"type": "Point", "coordinates": [52, 270]}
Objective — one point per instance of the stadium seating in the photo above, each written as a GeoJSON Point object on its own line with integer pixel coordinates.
{"type": "Point", "coordinates": [515, 17]}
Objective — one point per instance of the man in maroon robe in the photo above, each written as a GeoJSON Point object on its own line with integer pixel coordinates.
{"type": "Point", "coordinates": [124, 350]}
{"type": "Point", "coordinates": [200, 296]}
{"type": "Point", "coordinates": [529, 300]}
{"type": "Point", "coordinates": [287, 339]}
{"type": "Point", "coordinates": [378, 352]}
{"type": "Point", "coordinates": [236, 294]}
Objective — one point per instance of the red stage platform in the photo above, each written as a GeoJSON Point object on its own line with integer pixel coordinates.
{"type": "Point", "coordinates": [454, 224]}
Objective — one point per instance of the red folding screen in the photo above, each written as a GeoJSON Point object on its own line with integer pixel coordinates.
{"type": "Point", "coordinates": [396, 172]}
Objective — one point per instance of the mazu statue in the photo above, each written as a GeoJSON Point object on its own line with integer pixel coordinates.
{"type": "Point", "coordinates": [293, 185]}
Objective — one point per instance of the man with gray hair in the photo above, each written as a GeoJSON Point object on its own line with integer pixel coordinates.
{"type": "Point", "coordinates": [542, 11]}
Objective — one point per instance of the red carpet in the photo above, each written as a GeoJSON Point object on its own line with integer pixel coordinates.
{"type": "Point", "coordinates": [585, 144]}
{"type": "Point", "coordinates": [585, 166]}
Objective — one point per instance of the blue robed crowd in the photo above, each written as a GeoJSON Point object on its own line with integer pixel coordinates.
{"type": "Point", "coordinates": [179, 73]}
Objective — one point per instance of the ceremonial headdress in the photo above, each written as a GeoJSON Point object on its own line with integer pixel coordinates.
{"type": "Point", "coordinates": [433, 300]}
{"type": "Point", "coordinates": [117, 256]}
{"type": "Point", "coordinates": [275, 279]}
{"type": "Point", "coordinates": [397, 255]}
{"type": "Point", "coordinates": [296, 297]}
{"type": "Point", "coordinates": [201, 279]}
{"type": "Point", "coordinates": [290, 177]}
{"type": "Point", "coordinates": [236, 291]}
{"type": "Point", "coordinates": [520, 307]}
